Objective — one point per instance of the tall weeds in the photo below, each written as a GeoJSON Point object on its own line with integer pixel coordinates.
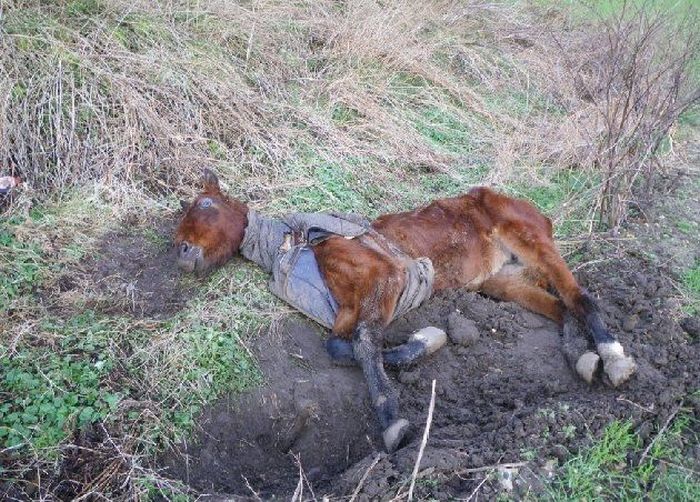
{"type": "Point", "coordinates": [639, 76]}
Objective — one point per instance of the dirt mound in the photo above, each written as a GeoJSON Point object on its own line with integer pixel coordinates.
{"type": "Point", "coordinates": [504, 397]}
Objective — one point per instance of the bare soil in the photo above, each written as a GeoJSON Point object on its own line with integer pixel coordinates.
{"type": "Point", "coordinates": [147, 284]}
{"type": "Point", "coordinates": [509, 396]}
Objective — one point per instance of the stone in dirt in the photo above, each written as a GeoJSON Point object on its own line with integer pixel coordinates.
{"type": "Point", "coordinates": [691, 325]}
{"type": "Point", "coordinates": [462, 331]}
{"type": "Point", "coordinates": [630, 322]}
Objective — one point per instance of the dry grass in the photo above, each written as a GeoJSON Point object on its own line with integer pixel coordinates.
{"type": "Point", "coordinates": [146, 93]}
{"type": "Point", "coordinates": [640, 75]}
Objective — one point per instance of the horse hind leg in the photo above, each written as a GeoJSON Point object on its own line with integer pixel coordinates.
{"type": "Point", "coordinates": [513, 283]}
{"type": "Point", "coordinates": [516, 283]}
{"type": "Point", "coordinates": [527, 233]}
{"type": "Point", "coordinates": [539, 251]}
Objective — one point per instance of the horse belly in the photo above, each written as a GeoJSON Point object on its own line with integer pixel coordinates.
{"type": "Point", "coordinates": [471, 266]}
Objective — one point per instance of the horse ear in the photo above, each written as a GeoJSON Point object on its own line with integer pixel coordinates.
{"type": "Point", "coordinates": [211, 181]}
{"type": "Point", "coordinates": [184, 204]}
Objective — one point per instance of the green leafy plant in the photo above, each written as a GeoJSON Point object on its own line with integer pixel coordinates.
{"type": "Point", "coordinates": [47, 394]}
{"type": "Point", "coordinates": [20, 264]}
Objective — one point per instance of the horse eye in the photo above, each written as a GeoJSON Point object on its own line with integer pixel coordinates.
{"type": "Point", "coordinates": [205, 203]}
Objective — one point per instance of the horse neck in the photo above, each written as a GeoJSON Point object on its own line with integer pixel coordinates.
{"type": "Point", "coordinates": [262, 239]}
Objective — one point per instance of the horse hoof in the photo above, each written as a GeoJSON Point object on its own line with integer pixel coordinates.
{"type": "Point", "coordinates": [620, 370]}
{"type": "Point", "coordinates": [587, 365]}
{"type": "Point", "coordinates": [432, 338]}
{"type": "Point", "coordinates": [394, 434]}
{"type": "Point", "coordinates": [616, 364]}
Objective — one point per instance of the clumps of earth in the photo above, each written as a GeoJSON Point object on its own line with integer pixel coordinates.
{"type": "Point", "coordinates": [507, 401]}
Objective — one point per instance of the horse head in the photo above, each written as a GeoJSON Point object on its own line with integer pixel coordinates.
{"type": "Point", "coordinates": [212, 229]}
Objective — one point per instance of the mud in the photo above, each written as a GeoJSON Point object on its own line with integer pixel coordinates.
{"type": "Point", "coordinates": [308, 407]}
{"type": "Point", "coordinates": [505, 396]}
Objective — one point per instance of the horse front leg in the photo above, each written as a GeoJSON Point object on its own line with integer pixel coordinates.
{"type": "Point", "coordinates": [366, 344]}
{"type": "Point", "coordinates": [420, 345]}
{"type": "Point", "coordinates": [366, 285]}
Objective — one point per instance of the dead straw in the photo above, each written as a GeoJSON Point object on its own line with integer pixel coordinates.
{"type": "Point", "coordinates": [423, 442]}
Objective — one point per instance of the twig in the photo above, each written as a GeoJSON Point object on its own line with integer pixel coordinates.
{"type": "Point", "coordinates": [588, 263]}
{"type": "Point", "coordinates": [249, 47]}
{"type": "Point", "coordinates": [623, 400]}
{"type": "Point", "coordinates": [308, 483]}
{"type": "Point", "coordinates": [364, 477]}
{"type": "Point", "coordinates": [660, 433]}
{"type": "Point", "coordinates": [492, 467]}
{"type": "Point", "coordinates": [677, 466]}
{"type": "Point", "coordinates": [478, 487]}
{"type": "Point", "coordinates": [423, 442]}
{"type": "Point", "coordinates": [255, 494]}
{"type": "Point", "coordinates": [299, 491]}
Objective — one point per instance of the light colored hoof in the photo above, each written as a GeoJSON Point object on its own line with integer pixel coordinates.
{"type": "Point", "coordinates": [394, 434]}
{"type": "Point", "coordinates": [587, 365]}
{"type": "Point", "coordinates": [432, 338]}
{"type": "Point", "coordinates": [620, 370]}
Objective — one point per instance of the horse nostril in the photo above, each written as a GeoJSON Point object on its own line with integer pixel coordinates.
{"type": "Point", "coordinates": [184, 247]}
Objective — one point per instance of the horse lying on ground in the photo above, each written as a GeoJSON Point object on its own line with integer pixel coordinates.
{"type": "Point", "coordinates": [369, 273]}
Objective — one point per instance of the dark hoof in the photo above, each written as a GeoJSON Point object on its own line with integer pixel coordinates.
{"type": "Point", "coordinates": [394, 434]}
{"type": "Point", "coordinates": [340, 351]}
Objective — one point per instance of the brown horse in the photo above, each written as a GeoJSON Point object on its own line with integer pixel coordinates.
{"type": "Point", "coordinates": [483, 241]}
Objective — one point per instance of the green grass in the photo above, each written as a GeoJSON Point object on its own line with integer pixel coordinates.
{"type": "Point", "coordinates": [597, 9]}
{"type": "Point", "coordinates": [691, 284]}
{"type": "Point", "coordinates": [691, 117]}
{"type": "Point", "coordinates": [38, 246]}
{"type": "Point", "coordinates": [20, 264]}
{"type": "Point", "coordinates": [444, 130]}
{"type": "Point", "coordinates": [323, 185]}
{"type": "Point", "coordinates": [604, 471]}
{"type": "Point", "coordinates": [564, 197]}
{"type": "Point", "coordinates": [344, 115]}
{"type": "Point", "coordinates": [687, 227]}
{"type": "Point", "coordinates": [521, 104]}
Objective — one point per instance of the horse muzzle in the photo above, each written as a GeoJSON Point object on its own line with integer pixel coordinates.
{"type": "Point", "coordinates": [189, 256]}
